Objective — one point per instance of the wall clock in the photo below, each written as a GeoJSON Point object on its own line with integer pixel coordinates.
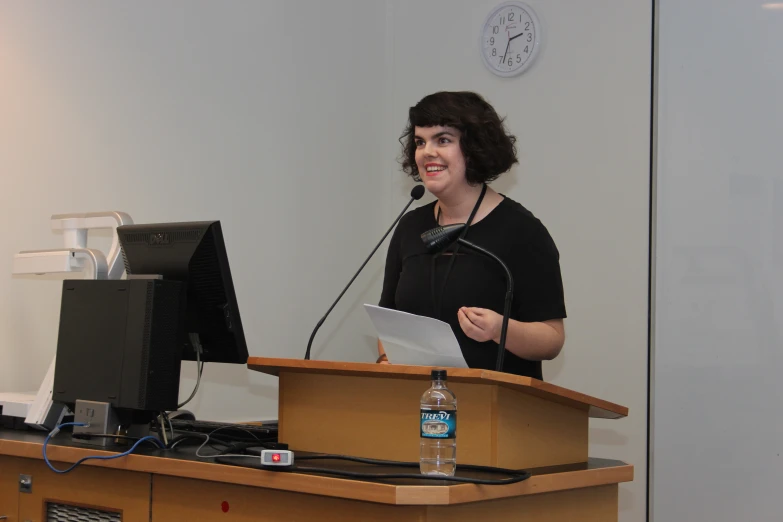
{"type": "Point", "coordinates": [510, 39]}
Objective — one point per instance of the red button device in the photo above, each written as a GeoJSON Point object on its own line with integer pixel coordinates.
{"type": "Point", "coordinates": [279, 458]}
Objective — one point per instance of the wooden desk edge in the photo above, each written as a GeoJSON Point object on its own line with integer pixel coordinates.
{"type": "Point", "coordinates": [320, 485]}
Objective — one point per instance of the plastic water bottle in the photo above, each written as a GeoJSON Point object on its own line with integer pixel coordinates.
{"type": "Point", "coordinates": [438, 454]}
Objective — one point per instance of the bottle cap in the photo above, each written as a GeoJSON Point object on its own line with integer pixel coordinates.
{"type": "Point", "coordinates": [439, 374]}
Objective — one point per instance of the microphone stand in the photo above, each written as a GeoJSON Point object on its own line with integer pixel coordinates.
{"type": "Point", "coordinates": [507, 304]}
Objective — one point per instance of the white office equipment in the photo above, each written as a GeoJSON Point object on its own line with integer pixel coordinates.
{"type": "Point", "coordinates": [16, 404]}
{"type": "Point", "coordinates": [73, 261]}
{"type": "Point", "coordinates": [75, 256]}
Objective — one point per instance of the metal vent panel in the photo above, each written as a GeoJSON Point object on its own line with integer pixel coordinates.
{"type": "Point", "coordinates": [65, 513]}
{"type": "Point", "coordinates": [162, 238]}
{"type": "Point", "coordinates": [186, 235]}
{"type": "Point", "coordinates": [145, 354]}
{"type": "Point", "coordinates": [136, 238]}
{"type": "Point", "coordinates": [163, 345]}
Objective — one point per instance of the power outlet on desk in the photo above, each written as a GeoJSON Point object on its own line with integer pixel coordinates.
{"type": "Point", "coordinates": [25, 483]}
{"type": "Point", "coordinates": [99, 418]}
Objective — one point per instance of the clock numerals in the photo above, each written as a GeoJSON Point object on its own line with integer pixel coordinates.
{"type": "Point", "coordinates": [495, 29]}
{"type": "Point", "coordinates": [511, 16]}
{"type": "Point", "coordinates": [519, 58]}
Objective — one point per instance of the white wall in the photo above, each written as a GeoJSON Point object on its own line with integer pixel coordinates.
{"type": "Point", "coordinates": [582, 117]}
{"type": "Point", "coordinates": [259, 114]}
{"type": "Point", "coordinates": [717, 430]}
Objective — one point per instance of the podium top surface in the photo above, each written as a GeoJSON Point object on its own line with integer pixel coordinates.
{"type": "Point", "coordinates": [597, 408]}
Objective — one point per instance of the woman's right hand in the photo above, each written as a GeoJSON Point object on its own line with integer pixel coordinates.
{"type": "Point", "coordinates": [382, 359]}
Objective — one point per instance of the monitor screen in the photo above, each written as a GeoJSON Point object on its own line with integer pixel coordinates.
{"type": "Point", "coordinates": [195, 254]}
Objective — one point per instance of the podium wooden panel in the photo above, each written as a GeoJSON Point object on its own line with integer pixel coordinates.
{"type": "Point", "coordinates": [372, 410]}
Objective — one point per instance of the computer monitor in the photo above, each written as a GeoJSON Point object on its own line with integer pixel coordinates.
{"type": "Point", "coordinates": [195, 254]}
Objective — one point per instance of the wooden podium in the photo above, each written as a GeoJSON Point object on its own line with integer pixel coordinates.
{"type": "Point", "coordinates": [372, 410]}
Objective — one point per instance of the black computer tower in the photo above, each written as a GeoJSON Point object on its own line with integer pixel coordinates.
{"type": "Point", "coordinates": [121, 342]}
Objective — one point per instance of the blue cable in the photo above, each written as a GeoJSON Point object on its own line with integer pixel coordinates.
{"type": "Point", "coordinates": [56, 430]}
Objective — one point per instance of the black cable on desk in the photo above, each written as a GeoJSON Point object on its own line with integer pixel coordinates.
{"type": "Point", "coordinates": [227, 441]}
{"type": "Point", "coordinates": [515, 475]}
{"type": "Point", "coordinates": [522, 475]}
{"type": "Point", "coordinates": [247, 446]}
{"type": "Point", "coordinates": [378, 462]}
{"type": "Point", "coordinates": [87, 436]}
{"type": "Point", "coordinates": [232, 447]}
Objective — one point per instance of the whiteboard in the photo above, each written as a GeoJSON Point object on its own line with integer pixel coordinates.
{"type": "Point", "coordinates": [717, 399]}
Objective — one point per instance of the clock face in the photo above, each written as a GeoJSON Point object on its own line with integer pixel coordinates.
{"type": "Point", "coordinates": [509, 41]}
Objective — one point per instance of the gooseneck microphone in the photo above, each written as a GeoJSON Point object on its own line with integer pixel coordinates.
{"type": "Point", "coordinates": [438, 238]}
{"type": "Point", "coordinates": [416, 193]}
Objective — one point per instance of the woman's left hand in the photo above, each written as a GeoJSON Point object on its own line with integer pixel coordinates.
{"type": "Point", "coordinates": [480, 324]}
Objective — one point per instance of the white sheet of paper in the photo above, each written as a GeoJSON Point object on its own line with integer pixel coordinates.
{"type": "Point", "coordinates": [416, 340]}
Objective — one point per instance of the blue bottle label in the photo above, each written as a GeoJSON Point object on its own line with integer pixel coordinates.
{"type": "Point", "coordinates": [438, 424]}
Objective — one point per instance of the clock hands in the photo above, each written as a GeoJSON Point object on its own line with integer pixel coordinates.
{"type": "Point", "coordinates": [509, 43]}
{"type": "Point", "coordinates": [517, 36]}
{"type": "Point", "coordinates": [507, 46]}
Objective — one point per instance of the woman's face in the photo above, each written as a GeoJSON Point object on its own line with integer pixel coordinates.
{"type": "Point", "coordinates": [439, 158]}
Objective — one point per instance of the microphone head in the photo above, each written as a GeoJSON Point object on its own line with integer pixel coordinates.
{"type": "Point", "coordinates": [417, 192]}
{"type": "Point", "coordinates": [438, 238]}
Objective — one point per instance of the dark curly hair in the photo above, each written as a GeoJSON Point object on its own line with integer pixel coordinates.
{"type": "Point", "coordinates": [488, 149]}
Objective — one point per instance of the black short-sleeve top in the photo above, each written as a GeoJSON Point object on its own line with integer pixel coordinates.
{"type": "Point", "coordinates": [509, 231]}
